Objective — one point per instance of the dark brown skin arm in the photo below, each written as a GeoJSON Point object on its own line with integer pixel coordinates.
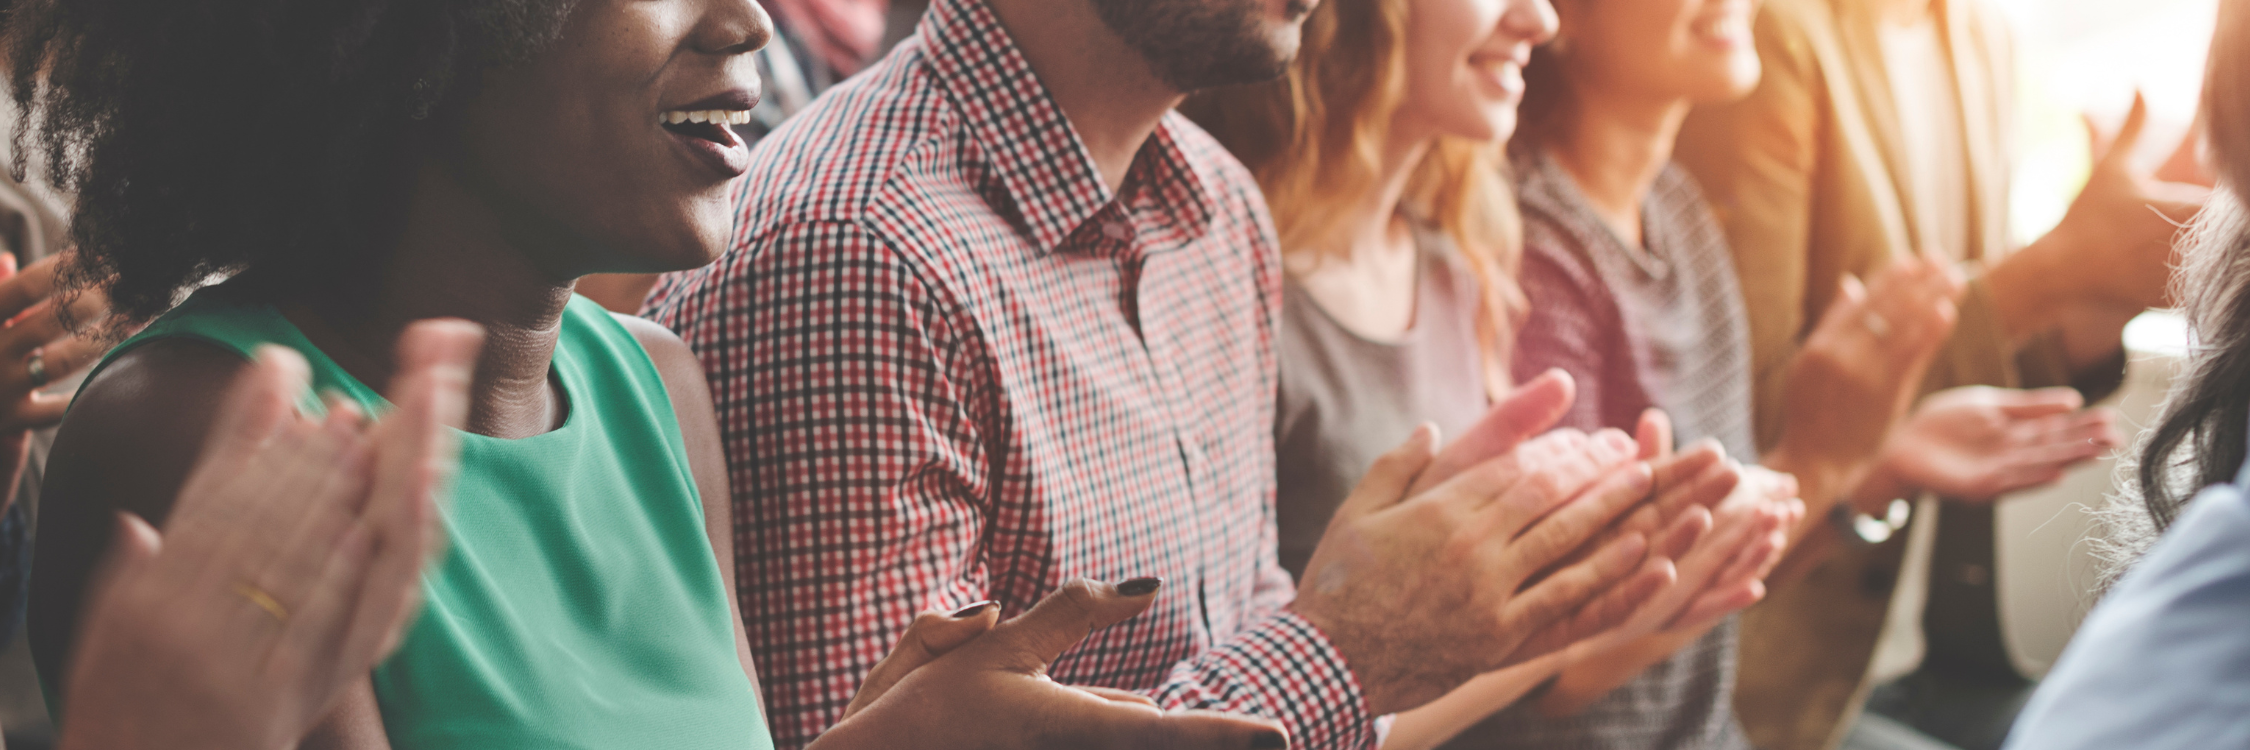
{"type": "Point", "coordinates": [130, 440]}
{"type": "Point", "coordinates": [699, 428]}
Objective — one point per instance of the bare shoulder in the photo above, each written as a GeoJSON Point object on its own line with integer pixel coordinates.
{"type": "Point", "coordinates": [150, 409]}
{"type": "Point", "coordinates": [682, 373]}
{"type": "Point", "coordinates": [672, 357]}
{"type": "Point", "coordinates": [128, 444]}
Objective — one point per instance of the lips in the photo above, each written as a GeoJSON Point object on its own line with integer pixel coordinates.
{"type": "Point", "coordinates": [702, 128]}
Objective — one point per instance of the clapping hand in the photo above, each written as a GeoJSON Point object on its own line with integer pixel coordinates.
{"type": "Point", "coordinates": [969, 681]}
{"type": "Point", "coordinates": [1860, 369]}
{"type": "Point", "coordinates": [287, 569]}
{"type": "Point", "coordinates": [1441, 566]}
{"type": "Point", "coordinates": [1978, 443]}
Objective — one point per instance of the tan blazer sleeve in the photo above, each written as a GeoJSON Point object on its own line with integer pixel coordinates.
{"type": "Point", "coordinates": [1755, 160]}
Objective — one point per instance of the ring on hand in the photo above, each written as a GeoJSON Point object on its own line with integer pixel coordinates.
{"type": "Point", "coordinates": [1876, 324]}
{"type": "Point", "coordinates": [264, 600]}
{"type": "Point", "coordinates": [36, 368]}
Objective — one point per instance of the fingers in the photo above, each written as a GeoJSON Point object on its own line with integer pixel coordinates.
{"type": "Point", "coordinates": [932, 635]}
{"type": "Point", "coordinates": [261, 400]}
{"type": "Point", "coordinates": [1114, 695]}
{"type": "Point", "coordinates": [2042, 402]}
{"type": "Point", "coordinates": [1572, 526]}
{"type": "Point", "coordinates": [30, 286]}
{"type": "Point", "coordinates": [1589, 598]}
{"type": "Point", "coordinates": [1544, 474]}
{"type": "Point", "coordinates": [1118, 725]}
{"type": "Point", "coordinates": [1385, 483]}
{"type": "Point", "coordinates": [1654, 434]}
{"type": "Point", "coordinates": [38, 327]}
{"type": "Point", "coordinates": [1701, 476]}
{"type": "Point", "coordinates": [2120, 148]}
{"type": "Point", "coordinates": [1713, 606]}
{"type": "Point", "coordinates": [1680, 539]}
{"type": "Point", "coordinates": [1065, 617]}
{"type": "Point", "coordinates": [1530, 409]}
{"type": "Point", "coordinates": [414, 454]}
{"type": "Point", "coordinates": [133, 547]}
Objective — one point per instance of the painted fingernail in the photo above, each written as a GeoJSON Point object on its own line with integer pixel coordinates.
{"type": "Point", "coordinates": [974, 609]}
{"type": "Point", "coordinates": [1140, 586]}
{"type": "Point", "coordinates": [1268, 739]}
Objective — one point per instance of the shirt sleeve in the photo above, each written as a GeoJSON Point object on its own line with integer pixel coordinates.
{"type": "Point", "coordinates": [1282, 668]}
{"type": "Point", "coordinates": [853, 403]}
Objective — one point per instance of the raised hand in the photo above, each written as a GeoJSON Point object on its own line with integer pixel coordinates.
{"type": "Point", "coordinates": [967, 681]}
{"type": "Point", "coordinates": [1978, 443]}
{"type": "Point", "coordinates": [287, 568]}
{"type": "Point", "coordinates": [1422, 589]}
{"type": "Point", "coordinates": [2122, 223]}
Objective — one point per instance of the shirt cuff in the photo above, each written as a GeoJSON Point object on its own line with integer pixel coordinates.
{"type": "Point", "coordinates": [1309, 687]}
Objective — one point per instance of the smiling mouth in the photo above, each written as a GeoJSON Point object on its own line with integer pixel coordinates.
{"type": "Point", "coordinates": [703, 124]}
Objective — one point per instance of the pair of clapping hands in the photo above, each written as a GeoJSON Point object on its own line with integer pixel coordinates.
{"type": "Point", "coordinates": [1505, 547]}
{"type": "Point", "coordinates": [290, 566]}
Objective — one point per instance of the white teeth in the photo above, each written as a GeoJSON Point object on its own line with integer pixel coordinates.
{"type": "Point", "coordinates": [722, 116]}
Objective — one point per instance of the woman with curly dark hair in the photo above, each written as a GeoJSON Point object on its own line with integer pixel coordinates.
{"type": "Point", "coordinates": [353, 167]}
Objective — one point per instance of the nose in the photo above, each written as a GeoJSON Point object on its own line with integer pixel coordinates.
{"type": "Point", "coordinates": [1534, 21]}
{"type": "Point", "coordinates": [733, 27]}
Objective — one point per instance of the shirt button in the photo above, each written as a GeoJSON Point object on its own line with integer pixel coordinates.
{"type": "Point", "coordinates": [1118, 232]}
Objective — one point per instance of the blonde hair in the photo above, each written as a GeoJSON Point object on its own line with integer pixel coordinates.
{"type": "Point", "coordinates": [1315, 141]}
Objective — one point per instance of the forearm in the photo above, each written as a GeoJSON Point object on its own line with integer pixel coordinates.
{"type": "Point", "coordinates": [1440, 720]}
{"type": "Point", "coordinates": [1282, 668]}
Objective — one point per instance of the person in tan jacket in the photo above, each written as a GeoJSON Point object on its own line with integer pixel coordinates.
{"type": "Point", "coordinates": [1878, 129]}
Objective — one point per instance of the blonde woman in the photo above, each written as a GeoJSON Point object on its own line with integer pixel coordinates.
{"type": "Point", "coordinates": [1380, 154]}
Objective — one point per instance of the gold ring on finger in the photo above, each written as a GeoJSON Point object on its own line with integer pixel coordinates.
{"type": "Point", "coordinates": [265, 601]}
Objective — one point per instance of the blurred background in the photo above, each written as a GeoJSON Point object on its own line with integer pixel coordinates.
{"type": "Point", "coordinates": [2079, 60]}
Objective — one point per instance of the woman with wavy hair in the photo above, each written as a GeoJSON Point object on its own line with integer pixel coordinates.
{"type": "Point", "coordinates": [1380, 155]}
{"type": "Point", "coordinates": [354, 167]}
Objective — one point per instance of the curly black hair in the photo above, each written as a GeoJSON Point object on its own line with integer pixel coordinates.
{"type": "Point", "coordinates": [266, 138]}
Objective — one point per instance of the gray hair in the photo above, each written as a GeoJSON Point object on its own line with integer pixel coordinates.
{"type": "Point", "coordinates": [2200, 432]}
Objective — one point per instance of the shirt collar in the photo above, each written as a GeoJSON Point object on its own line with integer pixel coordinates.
{"type": "Point", "coordinates": [1030, 146]}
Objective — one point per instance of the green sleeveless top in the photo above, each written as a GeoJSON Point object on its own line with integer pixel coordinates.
{"type": "Point", "coordinates": [579, 604]}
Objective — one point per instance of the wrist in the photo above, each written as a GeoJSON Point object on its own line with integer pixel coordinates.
{"type": "Point", "coordinates": [1821, 480]}
{"type": "Point", "coordinates": [2027, 284]}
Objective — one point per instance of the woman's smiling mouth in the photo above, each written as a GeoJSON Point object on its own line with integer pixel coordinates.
{"type": "Point", "coordinates": [707, 134]}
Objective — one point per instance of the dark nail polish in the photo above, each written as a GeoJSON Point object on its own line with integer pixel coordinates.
{"type": "Point", "coordinates": [1268, 739]}
{"type": "Point", "coordinates": [974, 609]}
{"type": "Point", "coordinates": [1140, 586]}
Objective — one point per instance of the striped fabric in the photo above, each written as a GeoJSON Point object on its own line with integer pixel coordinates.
{"type": "Point", "coordinates": [1654, 325]}
{"type": "Point", "coordinates": [951, 365]}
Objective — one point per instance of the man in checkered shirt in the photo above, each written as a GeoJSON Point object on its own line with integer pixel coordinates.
{"type": "Point", "coordinates": [995, 318]}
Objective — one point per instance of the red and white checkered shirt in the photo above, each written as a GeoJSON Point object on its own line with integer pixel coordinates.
{"type": "Point", "coordinates": [950, 365]}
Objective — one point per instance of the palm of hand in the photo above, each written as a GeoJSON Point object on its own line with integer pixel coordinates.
{"type": "Point", "coordinates": [1980, 443]}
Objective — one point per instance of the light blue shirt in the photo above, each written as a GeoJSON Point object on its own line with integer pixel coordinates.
{"type": "Point", "coordinates": [2164, 661]}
